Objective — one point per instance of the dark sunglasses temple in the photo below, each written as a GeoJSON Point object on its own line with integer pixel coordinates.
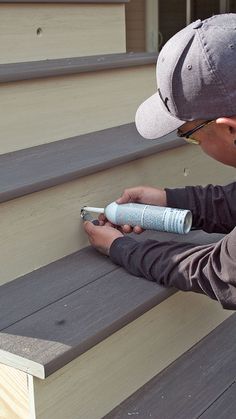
{"type": "Point", "coordinates": [187, 134]}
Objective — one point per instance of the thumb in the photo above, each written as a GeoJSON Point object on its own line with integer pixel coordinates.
{"type": "Point", "coordinates": [89, 227]}
{"type": "Point", "coordinates": [125, 198]}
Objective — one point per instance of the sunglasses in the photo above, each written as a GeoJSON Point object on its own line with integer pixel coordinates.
{"type": "Point", "coordinates": [187, 135]}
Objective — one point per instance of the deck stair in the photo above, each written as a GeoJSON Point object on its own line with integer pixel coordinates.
{"type": "Point", "coordinates": [79, 335]}
{"type": "Point", "coordinates": [200, 384]}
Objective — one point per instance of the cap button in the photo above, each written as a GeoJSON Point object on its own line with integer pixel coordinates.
{"type": "Point", "coordinates": [197, 24]}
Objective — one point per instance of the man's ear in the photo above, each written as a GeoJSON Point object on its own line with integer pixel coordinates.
{"type": "Point", "coordinates": [230, 122]}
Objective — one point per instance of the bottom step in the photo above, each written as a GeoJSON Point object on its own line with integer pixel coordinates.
{"type": "Point", "coordinates": [79, 336]}
{"type": "Point", "coordinates": [92, 385]}
{"type": "Point", "coordinates": [201, 383]}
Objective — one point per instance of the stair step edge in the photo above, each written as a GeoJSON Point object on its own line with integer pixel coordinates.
{"type": "Point", "coordinates": [75, 302]}
{"type": "Point", "coordinates": [34, 169]}
{"type": "Point", "coordinates": [67, 66]}
{"type": "Point", "coordinates": [191, 384]}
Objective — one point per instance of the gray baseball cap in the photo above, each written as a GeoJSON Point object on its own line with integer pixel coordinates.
{"type": "Point", "coordinates": [196, 77]}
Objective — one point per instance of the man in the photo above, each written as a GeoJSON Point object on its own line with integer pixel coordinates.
{"type": "Point", "coordinates": [196, 78]}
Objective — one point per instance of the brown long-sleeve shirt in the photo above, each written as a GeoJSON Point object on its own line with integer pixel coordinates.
{"type": "Point", "coordinates": [208, 269]}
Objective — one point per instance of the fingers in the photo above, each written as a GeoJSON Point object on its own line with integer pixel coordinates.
{"type": "Point", "coordinates": [102, 218]}
{"type": "Point", "coordinates": [108, 224]}
{"type": "Point", "coordinates": [129, 195]}
{"type": "Point", "coordinates": [144, 195]}
{"type": "Point", "coordinates": [101, 237]}
{"type": "Point", "coordinates": [128, 229]}
{"type": "Point", "coordinates": [91, 231]}
{"type": "Point", "coordinates": [124, 199]}
{"type": "Point", "coordinates": [89, 227]}
{"type": "Point", "coordinates": [137, 230]}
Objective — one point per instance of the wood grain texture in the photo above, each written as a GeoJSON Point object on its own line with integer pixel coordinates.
{"type": "Point", "coordinates": [74, 65]}
{"type": "Point", "coordinates": [14, 399]}
{"type": "Point", "coordinates": [38, 168]}
{"type": "Point", "coordinates": [45, 110]}
{"type": "Point", "coordinates": [225, 406]}
{"type": "Point", "coordinates": [39, 31]}
{"type": "Point", "coordinates": [101, 378]}
{"type": "Point", "coordinates": [67, 275]}
{"type": "Point", "coordinates": [85, 298]}
{"type": "Point", "coordinates": [42, 227]}
{"type": "Point", "coordinates": [63, 330]}
{"type": "Point", "coordinates": [57, 280]}
{"type": "Point", "coordinates": [201, 383]}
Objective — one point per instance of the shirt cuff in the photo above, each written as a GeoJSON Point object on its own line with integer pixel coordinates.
{"type": "Point", "coordinates": [177, 198]}
{"type": "Point", "coordinates": [119, 249]}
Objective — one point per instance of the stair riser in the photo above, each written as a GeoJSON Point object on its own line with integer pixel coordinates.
{"type": "Point", "coordinates": [93, 384]}
{"type": "Point", "coordinates": [31, 32]}
{"type": "Point", "coordinates": [46, 110]}
{"type": "Point", "coordinates": [42, 227]}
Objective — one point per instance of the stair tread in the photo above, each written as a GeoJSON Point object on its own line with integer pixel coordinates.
{"type": "Point", "coordinates": [224, 406]}
{"type": "Point", "coordinates": [69, 306]}
{"type": "Point", "coordinates": [201, 383]}
{"type": "Point", "coordinates": [73, 65]}
{"type": "Point", "coordinates": [37, 168]}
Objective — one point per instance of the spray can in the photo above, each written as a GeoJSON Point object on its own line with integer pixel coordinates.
{"type": "Point", "coordinates": [149, 217]}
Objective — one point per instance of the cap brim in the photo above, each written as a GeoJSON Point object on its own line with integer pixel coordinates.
{"type": "Point", "coordinates": [153, 120]}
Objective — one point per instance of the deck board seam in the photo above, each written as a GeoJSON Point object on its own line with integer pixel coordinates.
{"type": "Point", "coordinates": [217, 398]}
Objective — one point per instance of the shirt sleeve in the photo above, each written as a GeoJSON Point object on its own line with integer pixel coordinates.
{"type": "Point", "coordinates": [213, 207]}
{"type": "Point", "coordinates": [207, 269]}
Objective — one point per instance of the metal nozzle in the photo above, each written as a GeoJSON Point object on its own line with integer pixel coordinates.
{"type": "Point", "coordinates": [86, 216]}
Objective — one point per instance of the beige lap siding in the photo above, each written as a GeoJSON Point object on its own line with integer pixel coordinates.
{"type": "Point", "coordinates": [45, 226]}
{"type": "Point", "coordinates": [46, 110]}
{"type": "Point", "coordinates": [30, 32]}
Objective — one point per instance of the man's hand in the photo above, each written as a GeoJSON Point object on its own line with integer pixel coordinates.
{"type": "Point", "coordinates": [101, 237]}
{"type": "Point", "coordinates": [141, 195]}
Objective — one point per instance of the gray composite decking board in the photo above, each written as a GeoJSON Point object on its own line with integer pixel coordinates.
{"type": "Point", "coordinates": [53, 282]}
{"type": "Point", "coordinates": [37, 168]}
{"type": "Point", "coordinates": [74, 65]}
{"type": "Point", "coordinates": [190, 385]}
{"type": "Point", "coordinates": [224, 407]}
{"type": "Point", "coordinates": [49, 284]}
{"type": "Point", "coordinates": [58, 312]}
{"type": "Point", "coordinates": [60, 332]}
